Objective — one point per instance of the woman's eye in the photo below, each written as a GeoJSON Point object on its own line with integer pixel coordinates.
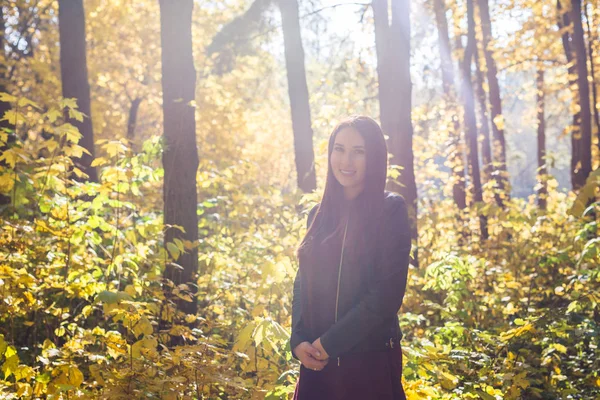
{"type": "Point", "coordinates": [360, 152]}
{"type": "Point", "coordinates": [339, 149]}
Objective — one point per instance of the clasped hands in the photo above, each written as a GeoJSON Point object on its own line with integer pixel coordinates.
{"type": "Point", "coordinates": [313, 355]}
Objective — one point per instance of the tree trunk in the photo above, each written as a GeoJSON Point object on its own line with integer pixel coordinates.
{"type": "Point", "coordinates": [584, 93]}
{"type": "Point", "coordinates": [74, 76]}
{"type": "Point", "coordinates": [458, 168]}
{"type": "Point", "coordinates": [470, 118]}
{"type": "Point", "coordinates": [439, 8]}
{"type": "Point", "coordinates": [5, 126]}
{"type": "Point", "coordinates": [393, 69]}
{"type": "Point", "coordinates": [593, 74]}
{"type": "Point", "coordinates": [499, 145]}
{"type": "Point", "coordinates": [298, 93]}
{"type": "Point", "coordinates": [132, 120]}
{"type": "Point", "coordinates": [486, 152]}
{"type": "Point", "coordinates": [542, 190]}
{"type": "Point", "coordinates": [180, 156]}
{"type": "Point", "coordinates": [563, 23]}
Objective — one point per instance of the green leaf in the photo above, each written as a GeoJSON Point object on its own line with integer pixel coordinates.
{"type": "Point", "coordinates": [76, 115]}
{"type": "Point", "coordinates": [43, 378]}
{"type": "Point", "coordinates": [69, 103]}
{"type": "Point", "coordinates": [173, 250]}
{"type": "Point", "coordinates": [26, 102]}
{"type": "Point", "coordinates": [108, 297]}
{"type": "Point", "coordinates": [53, 114]}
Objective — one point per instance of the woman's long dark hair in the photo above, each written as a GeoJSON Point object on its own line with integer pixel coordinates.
{"type": "Point", "coordinates": [367, 206]}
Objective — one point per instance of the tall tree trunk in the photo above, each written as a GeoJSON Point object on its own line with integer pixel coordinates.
{"type": "Point", "coordinates": [591, 36]}
{"type": "Point", "coordinates": [5, 126]}
{"type": "Point", "coordinates": [486, 151]}
{"type": "Point", "coordinates": [470, 118]}
{"type": "Point", "coordinates": [298, 93]}
{"type": "Point", "coordinates": [132, 120]}
{"type": "Point", "coordinates": [439, 8]}
{"type": "Point", "coordinates": [393, 69]}
{"type": "Point", "coordinates": [542, 174]}
{"type": "Point", "coordinates": [563, 23]}
{"type": "Point", "coordinates": [499, 145]}
{"type": "Point", "coordinates": [458, 168]}
{"type": "Point", "coordinates": [180, 156]}
{"type": "Point", "coordinates": [74, 76]}
{"type": "Point", "coordinates": [584, 92]}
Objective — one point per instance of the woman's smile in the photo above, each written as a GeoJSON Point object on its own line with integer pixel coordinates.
{"type": "Point", "coordinates": [348, 161]}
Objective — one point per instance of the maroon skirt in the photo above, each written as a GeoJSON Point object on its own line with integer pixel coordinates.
{"type": "Point", "coordinates": [361, 376]}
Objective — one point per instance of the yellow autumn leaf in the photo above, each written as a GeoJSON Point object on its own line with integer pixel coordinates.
{"type": "Point", "coordinates": [7, 182]}
{"type": "Point", "coordinates": [559, 347]}
{"type": "Point", "coordinates": [9, 156]}
{"type": "Point", "coordinates": [143, 327]}
{"type": "Point", "coordinates": [53, 114]}
{"type": "Point", "coordinates": [7, 98]}
{"type": "Point", "coordinates": [499, 122]}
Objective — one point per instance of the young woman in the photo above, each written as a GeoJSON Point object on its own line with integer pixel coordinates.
{"type": "Point", "coordinates": [353, 265]}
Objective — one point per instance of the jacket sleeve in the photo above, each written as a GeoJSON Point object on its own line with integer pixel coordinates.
{"type": "Point", "coordinates": [384, 297]}
{"type": "Point", "coordinates": [298, 336]}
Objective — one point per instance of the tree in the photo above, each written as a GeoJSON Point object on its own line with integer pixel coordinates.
{"type": "Point", "coordinates": [298, 93]}
{"type": "Point", "coordinates": [233, 37]}
{"type": "Point", "coordinates": [577, 144]}
{"type": "Point", "coordinates": [593, 73]}
{"type": "Point", "coordinates": [458, 170]}
{"type": "Point", "coordinates": [5, 126]}
{"type": "Point", "coordinates": [542, 189]}
{"type": "Point", "coordinates": [499, 143]}
{"type": "Point", "coordinates": [392, 42]}
{"type": "Point", "coordinates": [469, 115]}
{"type": "Point", "coordinates": [486, 151]}
{"type": "Point", "coordinates": [584, 92]}
{"type": "Point", "coordinates": [132, 119]}
{"type": "Point", "coordinates": [180, 155]}
{"type": "Point", "coordinates": [74, 76]}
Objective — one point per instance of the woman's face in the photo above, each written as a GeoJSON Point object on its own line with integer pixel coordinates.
{"type": "Point", "coordinates": [349, 160]}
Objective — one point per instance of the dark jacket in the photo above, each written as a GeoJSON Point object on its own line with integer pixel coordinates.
{"type": "Point", "coordinates": [369, 321]}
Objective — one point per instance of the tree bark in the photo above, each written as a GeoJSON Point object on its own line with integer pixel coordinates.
{"type": "Point", "coordinates": [499, 145]}
{"type": "Point", "coordinates": [458, 168]}
{"type": "Point", "coordinates": [542, 190]}
{"type": "Point", "coordinates": [486, 152]}
{"type": "Point", "coordinates": [470, 118]}
{"type": "Point", "coordinates": [74, 76]}
{"type": "Point", "coordinates": [5, 126]}
{"type": "Point", "coordinates": [392, 44]}
{"type": "Point", "coordinates": [180, 156]}
{"type": "Point", "coordinates": [439, 8]}
{"type": "Point", "coordinates": [593, 74]}
{"type": "Point", "coordinates": [132, 120]}
{"type": "Point", "coordinates": [584, 93]}
{"type": "Point", "coordinates": [564, 21]}
{"type": "Point", "coordinates": [298, 93]}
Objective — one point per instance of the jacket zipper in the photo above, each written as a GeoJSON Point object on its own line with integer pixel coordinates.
{"type": "Point", "coordinates": [337, 295]}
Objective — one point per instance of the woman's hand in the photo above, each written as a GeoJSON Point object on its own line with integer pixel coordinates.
{"type": "Point", "coordinates": [310, 356]}
{"type": "Point", "coordinates": [317, 344]}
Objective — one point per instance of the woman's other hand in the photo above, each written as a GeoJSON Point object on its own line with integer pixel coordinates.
{"type": "Point", "coordinates": [323, 354]}
{"type": "Point", "coordinates": [310, 356]}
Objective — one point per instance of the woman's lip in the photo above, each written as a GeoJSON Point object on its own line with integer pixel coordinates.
{"type": "Point", "coordinates": [343, 171]}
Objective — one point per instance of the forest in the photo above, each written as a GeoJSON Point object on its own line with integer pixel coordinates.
{"type": "Point", "coordinates": [158, 159]}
